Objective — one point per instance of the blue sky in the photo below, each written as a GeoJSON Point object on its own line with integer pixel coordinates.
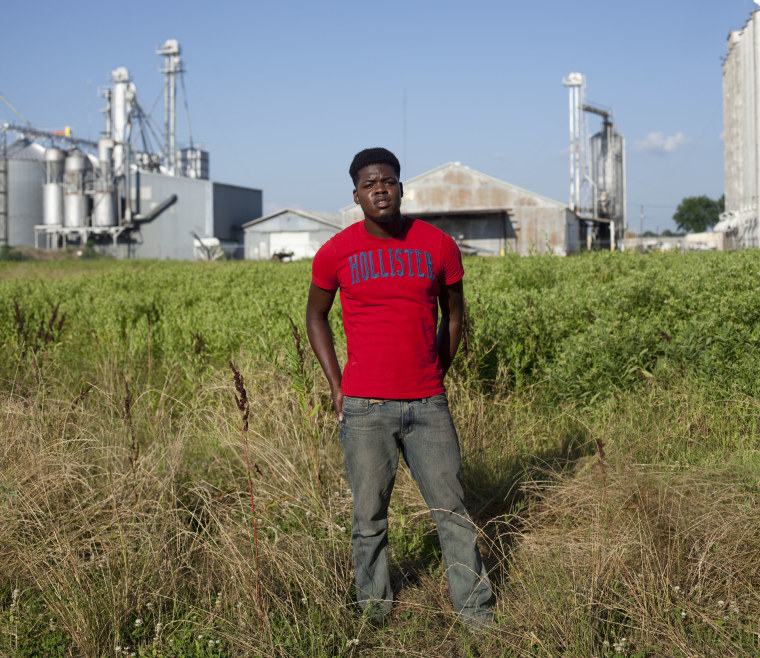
{"type": "Point", "coordinates": [284, 93]}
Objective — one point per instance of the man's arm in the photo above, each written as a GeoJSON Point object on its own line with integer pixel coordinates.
{"type": "Point", "coordinates": [318, 330]}
{"type": "Point", "coordinates": [451, 301]}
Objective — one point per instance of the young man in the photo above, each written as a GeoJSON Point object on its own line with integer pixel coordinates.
{"type": "Point", "coordinates": [393, 273]}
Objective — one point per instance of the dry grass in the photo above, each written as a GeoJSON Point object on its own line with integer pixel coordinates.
{"type": "Point", "coordinates": [107, 521]}
{"type": "Point", "coordinates": [668, 559]}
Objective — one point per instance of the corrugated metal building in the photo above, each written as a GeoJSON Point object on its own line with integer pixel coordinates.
{"type": "Point", "coordinates": [486, 215]}
{"type": "Point", "coordinates": [202, 208]}
{"type": "Point", "coordinates": [21, 177]}
{"type": "Point", "coordinates": [299, 233]}
{"type": "Point", "coordinates": [741, 123]}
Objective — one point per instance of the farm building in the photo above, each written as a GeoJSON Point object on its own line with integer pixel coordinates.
{"type": "Point", "coordinates": [121, 194]}
{"type": "Point", "coordinates": [741, 122]}
{"type": "Point", "coordinates": [288, 233]}
{"type": "Point", "coordinates": [486, 215]}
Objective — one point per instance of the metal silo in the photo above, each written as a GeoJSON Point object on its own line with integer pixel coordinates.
{"type": "Point", "coordinates": [21, 208]}
{"type": "Point", "coordinates": [75, 201]}
{"type": "Point", "coordinates": [608, 174]}
{"type": "Point", "coordinates": [104, 198]}
{"type": "Point", "coordinates": [52, 199]}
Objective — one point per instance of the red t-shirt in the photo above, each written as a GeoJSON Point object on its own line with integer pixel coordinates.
{"type": "Point", "coordinates": [389, 294]}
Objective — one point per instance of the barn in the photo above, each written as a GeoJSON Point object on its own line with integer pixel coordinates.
{"type": "Point", "coordinates": [486, 215]}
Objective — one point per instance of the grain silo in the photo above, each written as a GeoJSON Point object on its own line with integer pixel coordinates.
{"type": "Point", "coordinates": [22, 175]}
{"type": "Point", "coordinates": [597, 169]}
{"type": "Point", "coordinates": [741, 129]}
{"type": "Point", "coordinates": [608, 173]}
{"type": "Point", "coordinates": [154, 201]}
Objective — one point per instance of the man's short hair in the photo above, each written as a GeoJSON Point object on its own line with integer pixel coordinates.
{"type": "Point", "coordinates": [373, 156]}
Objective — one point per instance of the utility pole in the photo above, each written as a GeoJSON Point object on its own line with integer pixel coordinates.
{"type": "Point", "coordinates": [641, 222]}
{"type": "Point", "coordinates": [4, 190]}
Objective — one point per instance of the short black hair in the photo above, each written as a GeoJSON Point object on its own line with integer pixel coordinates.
{"type": "Point", "coordinates": [377, 155]}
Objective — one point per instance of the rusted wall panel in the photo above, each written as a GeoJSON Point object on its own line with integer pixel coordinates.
{"type": "Point", "coordinates": [536, 223]}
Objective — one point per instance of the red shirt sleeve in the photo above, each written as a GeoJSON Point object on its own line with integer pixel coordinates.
{"type": "Point", "coordinates": [324, 269]}
{"type": "Point", "coordinates": [451, 261]}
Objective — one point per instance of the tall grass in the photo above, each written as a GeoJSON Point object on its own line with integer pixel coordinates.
{"type": "Point", "coordinates": [125, 508]}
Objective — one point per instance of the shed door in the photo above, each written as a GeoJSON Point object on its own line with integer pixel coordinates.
{"type": "Point", "coordinates": [295, 241]}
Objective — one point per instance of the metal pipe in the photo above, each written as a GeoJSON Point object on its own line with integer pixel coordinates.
{"type": "Point", "coordinates": [155, 212]}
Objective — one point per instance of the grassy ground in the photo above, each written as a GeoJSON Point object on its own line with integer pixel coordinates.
{"type": "Point", "coordinates": [618, 510]}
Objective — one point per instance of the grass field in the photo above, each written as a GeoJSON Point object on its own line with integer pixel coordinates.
{"type": "Point", "coordinates": [607, 406]}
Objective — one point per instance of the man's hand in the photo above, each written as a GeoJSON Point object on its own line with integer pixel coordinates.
{"type": "Point", "coordinates": [337, 398]}
{"type": "Point", "coordinates": [318, 330]}
{"type": "Point", "coordinates": [451, 301]}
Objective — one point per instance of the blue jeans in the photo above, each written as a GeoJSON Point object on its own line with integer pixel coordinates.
{"type": "Point", "coordinates": [371, 433]}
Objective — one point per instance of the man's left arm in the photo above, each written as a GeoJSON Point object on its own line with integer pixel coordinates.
{"type": "Point", "coordinates": [451, 301]}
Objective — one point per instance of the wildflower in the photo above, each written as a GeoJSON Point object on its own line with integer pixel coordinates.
{"type": "Point", "coordinates": [683, 614]}
{"type": "Point", "coordinates": [149, 605]}
{"type": "Point", "coordinates": [199, 638]}
{"type": "Point", "coordinates": [353, 643]}
{"type": "Point", "coordinates": [676, 589]}
{"type": "Point", "coordinates": [159, 626]}
{"type": "Point", "coordinates": [721, 604]}
{"type": "Point", "coordinates": [211, 643]}
{"type": "Point", "coordinates": [304, 599]}
{"type": "Point", "coordinates": [620, 645]}
{"type": "Point", "coordinates": [117, 648]}
{"type": "Point", "coordinates": [138, 622]}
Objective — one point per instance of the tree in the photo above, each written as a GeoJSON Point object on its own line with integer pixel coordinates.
{"type": "Point", "coordinates": [696, 214]}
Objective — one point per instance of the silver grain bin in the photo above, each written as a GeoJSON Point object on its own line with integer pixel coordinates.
{"type": "Point", "coordinates": [52, 201]}
{"type": "Point", "coordinates": [75, 201]}
{"type": "Point", "coordinates": [104, 198]}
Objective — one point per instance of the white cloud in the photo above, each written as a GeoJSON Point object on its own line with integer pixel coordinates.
{"type": "Point", "coordinates": [656, 142]}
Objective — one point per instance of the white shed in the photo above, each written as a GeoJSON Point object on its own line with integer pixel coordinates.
{"type": "Point", "coordinates": [289, 234]}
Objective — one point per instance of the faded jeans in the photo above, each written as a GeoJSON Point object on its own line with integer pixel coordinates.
{"type": "Point", "coordinates": [371, 433]}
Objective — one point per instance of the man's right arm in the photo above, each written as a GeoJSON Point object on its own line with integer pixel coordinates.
{"type": "Point", "coordinates": [318, 330]}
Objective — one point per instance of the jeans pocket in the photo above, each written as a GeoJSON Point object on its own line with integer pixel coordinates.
{"type": "Point", "coordinates": [440, 400]}
{"type": "Point", "coordinates": [356, 406]}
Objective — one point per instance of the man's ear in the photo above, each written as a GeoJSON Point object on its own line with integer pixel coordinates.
{"type": "Point", "coordinates": [356, 197]}
{"type": "Point", "coordinates": [401, 189]}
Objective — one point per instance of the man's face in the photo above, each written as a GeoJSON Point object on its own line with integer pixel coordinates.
{"type": "Point", "coordinates": [378, 192]}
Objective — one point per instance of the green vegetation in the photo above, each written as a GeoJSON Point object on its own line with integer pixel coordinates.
{"type": "Point", "coordinates": [607, 406]}
{"type": "Point", "coordinates": [696, 214]}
